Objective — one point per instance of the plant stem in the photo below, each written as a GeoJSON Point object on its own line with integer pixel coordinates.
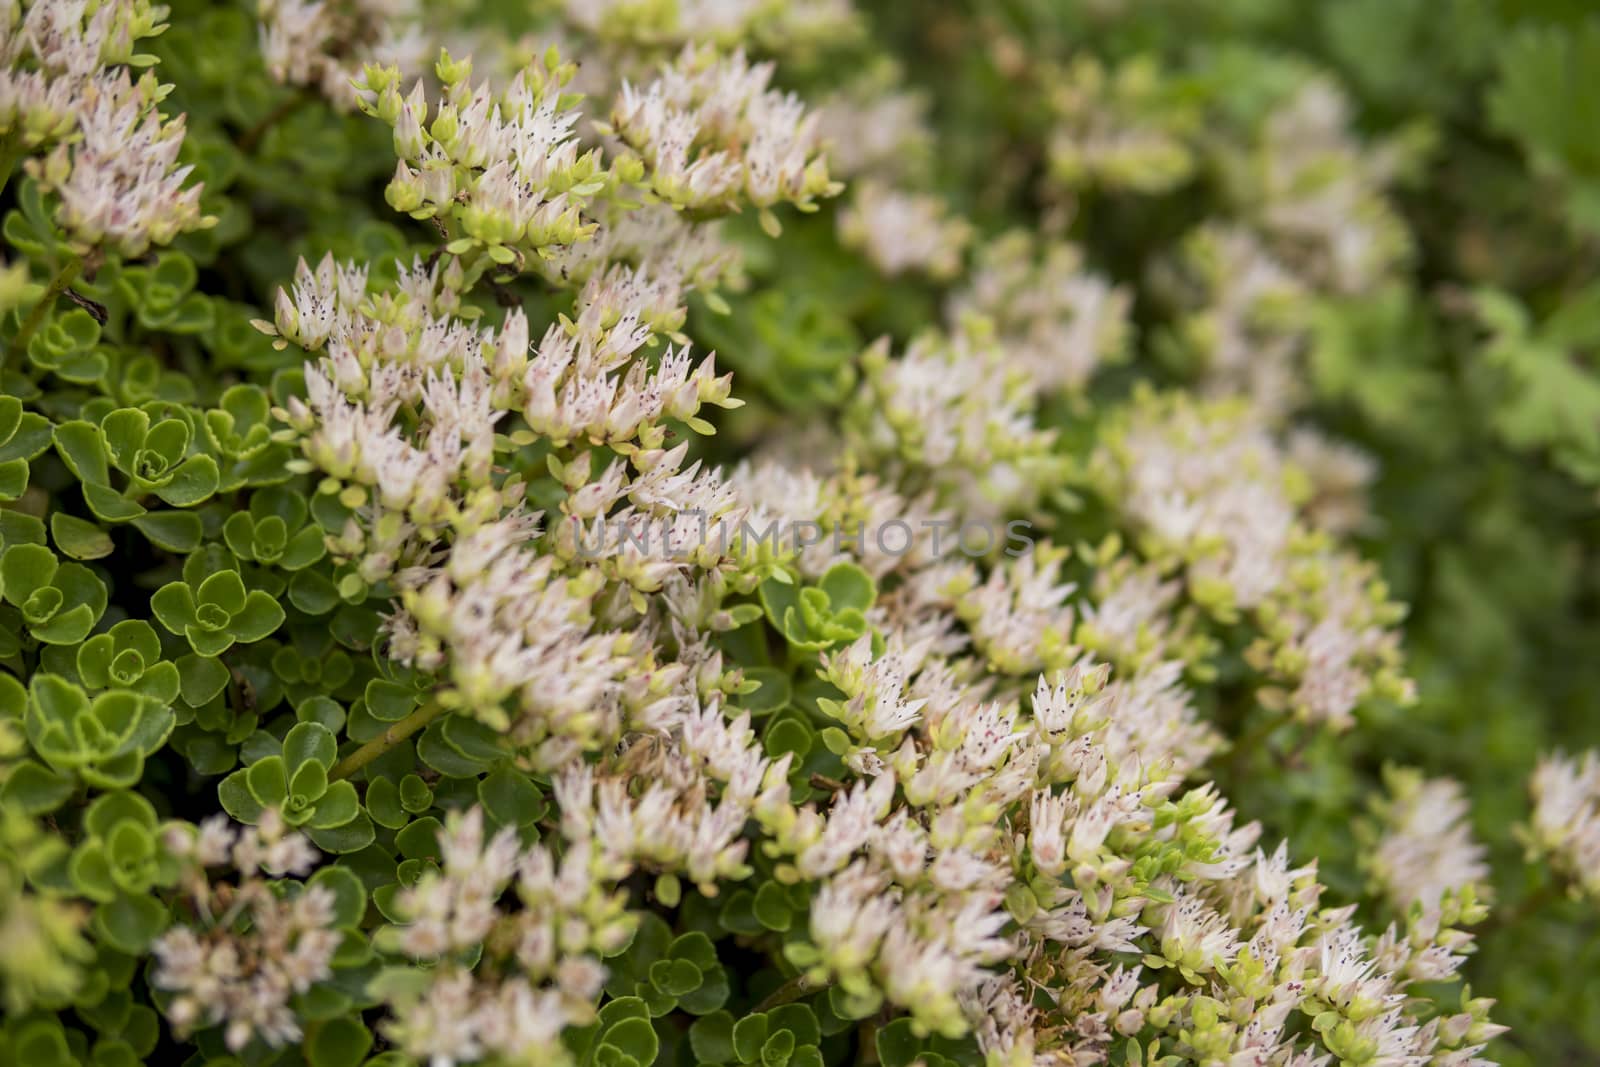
{"type": "Point", "coordinates": [386, 740]}
{"type": "Point", "coordinates": [59, 284]}
{"type": "Point", "coordinates": [792, 990]}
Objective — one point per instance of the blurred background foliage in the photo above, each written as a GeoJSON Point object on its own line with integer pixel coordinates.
{"type": "Point", "coordinates": [1471, 379]}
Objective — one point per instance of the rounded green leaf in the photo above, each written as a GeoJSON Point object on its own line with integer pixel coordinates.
{"type": "Point", "coordinates": [129, 923]}
{"type": "Point", "coordinates": [78, 538]}
{"type": "Point", "coordinates": [308, 782]}
{"type": "Point", "coordinates": [123, 432]}
{"type": "Point", "coordinates": [173, 604]}
{"type": "Point", "coordinates": [200, 678]}
{"type": "Point", "coordinates": [224, 590]}
{"type": "Point", "coordinates": [350, 896]}
{"type": "Point", "coordinates": [749, 1034]}
{"type": "Point", "coordinates": [257, 619]}
{"type": "Point", "coordinates": [309, 742]}
{"type": "Point", "coordinates": [711, 1038]}
{"type": "Point", "coordinates": [268, 781]}
{"type": "Point", "coordinates": [341, 1042]}
{"type": "Point", "coordinates": [175, 531]}
{"type": "Point", "coordinates": [195, 479]}
{"type": "Point", "coordinates": [848, 586]}
{"type": "Point", "coordinates": [25, 569]}
{"type": "Point", "coordinates": [634, 1038]}
{"type": "Point", "coordinates": [352, 836]}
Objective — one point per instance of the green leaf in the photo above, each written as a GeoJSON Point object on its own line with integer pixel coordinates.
{"type": "Point", "coordinates": [337, 805]}
{"type": "Point", "coordinates": [175, 531]}
{"type": "Point", "coordinates": [303, 549]}
{"type": "Point", "coordinates": [897, 1045]}
{"type": "Point", "coordinates": [308, 781]}
{"type": "Point", "coordinates": [33, 435]}
{"type": "Point", "coordinates": [772, 691]}
{"type": "Point", "coordinates": [388, 701]}
{"type": "Point", "coordinates": [675, 978]}
{"type": "Point", "coordinates": [415, 796]}
{"type": "Point", "coordinates": [433, 750]}
{"type": "Point", "coordinates": [68, 627]}
{"type": "Point", "coordinates": [200, 678]}
{"type": "Point", "coordinates": [777, 1049]}
{"type": "Point", "coordinates": [257, 619]}
{"type": "Point", "coordinates": [712, 994]}
{"type": "Point", "coordinates": [224, 589]}
{"type": "Point", "coordinates": [848, 586]}
{"type": "Point", "coordinates": [10, 417]}
{"type": "Point", "coordinates": [80, 446]}
{"type": "Point", "coordinates": [309, 742]}
{"type": "Point", "coordinates": [233, 792]}
{"type": "Point", "coordinates": [737, 914]}
{"type": "Point", "coordinates": [772, 907]}
{"type": "Point", "coordinates": [749, 1034]}
{"type": "Point", "coordinates": [130, 923]}
{"type": "Point", "coordinates": [350, 896]}
{"type": "Point", "coordinates": [79, 539]}
{"type": "Point", "coordinates": [342, 1042]}
{"type": "Point", "coordinates": [195, 479]}
{"type": "Point", "coordinates": [472, 739]}
{"type": "Point", "coordinates": [634, 1038]}
{"type": "Point", "coordinates": [420, 840]}
{"type": "Point", "coordinates": [207, 643]}
{"type": "Point", "coordinates": [24, 569]}
{"type": "Point", "coordinates": [511, 798]}
{"type": "Point", "coordinates": [173, 604]}
{"type": "Point", "coordinates": [13, 479]}
{"type": "Point", "coordinates": [109, 505]}
{"type": "Point", "coordinates": [798, 1019]}
{"type": "Point", "coordinates": [383, 804]}
{"type": "Point", "coordinates": [352, 836]}
{"type": "Point", "coordinates": [811, 1056]}
{"type": "Point", "coordinates": [268, 781]}
{"type": "Point", "coordinates": [35, 789]}
{"type": "Point", "coordinates": [711, 1038]}
{"type": "Point", "coordinates": [1548, 97]}
{"type": "Point", "coordinates": [313, 593]}
{"type": "Point", "coordinates": [123, 432]}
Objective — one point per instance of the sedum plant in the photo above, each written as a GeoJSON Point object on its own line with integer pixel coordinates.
{"type": "Point", "coordinates": [417, 648]}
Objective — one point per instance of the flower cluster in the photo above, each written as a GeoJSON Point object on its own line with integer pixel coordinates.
{"type": "Point", "coordinates": [250, 950]}
{"type": "Point", "coordinates": [773, 24]}
{"type": "Point", "coordinates": [713, 134]}
{"type": "Point", "coordinates": [1205, 488]}
{"type": "Point", "coordinates": [956, 416]}
{"type": "Point", "coordinates": [1565, 828]}
{"type": "Point", "coordinates": [322, 45]}
{"type": "Point", "coordinates": [876, 128]}
{"type": "Point", "coordinates": [66, 87]}
{"type": "Point", "coordinates": [1124, 127]}
{"type": "Point", "coordinates": [1248, 322]}
{"type": "Point", "coordinates": [506, 168]}
{"type": "Point", "coordinates": [1318, 197]}
{"type": "Point", "coordinates": [1053, 318]}
{"type": "Point", "coordinates": [1426, 848]}
{"type": "Point", "coordinates": [902, 232]}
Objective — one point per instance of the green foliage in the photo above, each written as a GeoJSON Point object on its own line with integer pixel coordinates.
{"type": "Point", "coordinates": [104, 740]}
{"type": "Point", "coordinates": [216, 612]}
{"type": "Point", "coordinates": [833, 612]}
